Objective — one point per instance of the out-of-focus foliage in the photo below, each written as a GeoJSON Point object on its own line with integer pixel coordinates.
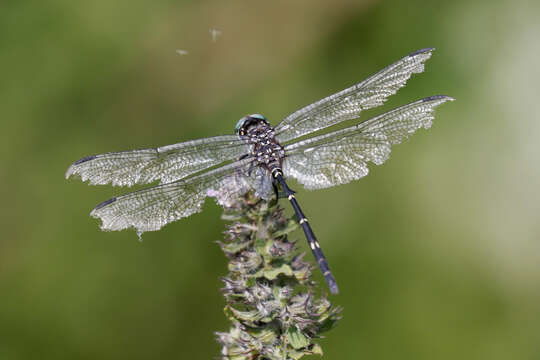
{"type": "Point", "coordinates": [437, 252]}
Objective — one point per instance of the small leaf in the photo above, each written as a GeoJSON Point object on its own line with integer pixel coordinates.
{"type": "Point", "coordinates": [296, 338]}
{"type": "Point", "coordinates": [284, 269]}
{"type": "Point", "coordinates": [266, 336]}
{"type": "Point", "coordinates": [291, 226]}
{"type": "Point", "coordinates": [233, 248]}
{"type": "Point", "coordinates": [260, 245]}
{"type": "Point", "coordinates": [232, 217]}
{"type": "Point", "coordinates": [250, 316]}
{"type": "Point", "coordinates": [295, 355]}
{"type": "Point", "coordinates": [316, 350]}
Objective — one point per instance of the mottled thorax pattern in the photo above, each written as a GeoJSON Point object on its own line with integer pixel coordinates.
{"type": "Point", "coordinates": [264, 146]}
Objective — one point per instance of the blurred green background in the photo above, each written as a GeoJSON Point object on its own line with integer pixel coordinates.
{"type": "Point", "coordinates": [437, 252]}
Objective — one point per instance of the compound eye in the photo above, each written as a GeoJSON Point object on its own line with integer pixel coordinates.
{"type": "Point", "coordinates": [259, 117]}
{"type": "Point", "coordinates": [240, 124]}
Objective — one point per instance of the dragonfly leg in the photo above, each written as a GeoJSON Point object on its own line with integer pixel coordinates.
{"type": "Point", "coordinates": [310, 236]}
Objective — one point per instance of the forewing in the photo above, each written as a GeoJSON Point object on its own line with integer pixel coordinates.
{"type": "Point", "coordinates": [349, 103]}
{"type": "Point", "coordinates": [151, 209]}
{"type": "Point", "coordinates": [166, 163]}
{"type": "Point", "coordinates": [342, 156]}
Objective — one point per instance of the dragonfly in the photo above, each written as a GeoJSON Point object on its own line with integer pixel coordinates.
{"type": "Point", "coordinates": [260, 157]}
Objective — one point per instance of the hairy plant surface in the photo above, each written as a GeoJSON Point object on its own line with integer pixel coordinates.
{"type": "Point", "coordinates": [269, 295]}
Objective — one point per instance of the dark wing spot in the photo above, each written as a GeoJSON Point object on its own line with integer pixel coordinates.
{"type": "Point", "coordinates": [106, 202]}
{"type": "Point", "coordinates": [435, 97]}
{"type": "Point", "coordinates": [84, 159]}
{"type": "Point", "coordinates": [421, 51]}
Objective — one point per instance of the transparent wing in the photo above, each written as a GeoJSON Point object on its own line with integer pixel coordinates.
{"type": "Point", "coordinates": [261, 180]}
{"type": "Point", "coordinates": [347, 104]}
{"type": "Point", "coordinates": [166, 163]}
{"type": "Point", "coordinates": [151, 209]}
{"type": "Point", "coordinates": [342, 156]}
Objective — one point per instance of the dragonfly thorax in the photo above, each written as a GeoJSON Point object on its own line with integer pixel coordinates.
{"type": "Point", "coordinates": [257, 132]}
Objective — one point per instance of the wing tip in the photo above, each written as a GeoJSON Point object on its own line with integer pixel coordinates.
{"type": "Point", "coordinates": [421, 51]}
{"type": "Point", "coordinates": [102, 204]}
{"type": "Point", "coordinates": [71, 170]}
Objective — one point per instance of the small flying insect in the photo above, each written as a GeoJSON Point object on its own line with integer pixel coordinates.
{"type": "Point", "coordinates": [214, 33]}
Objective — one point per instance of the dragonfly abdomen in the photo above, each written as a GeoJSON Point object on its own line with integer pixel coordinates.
{"type": "Point", "coordinates": [310, 236]}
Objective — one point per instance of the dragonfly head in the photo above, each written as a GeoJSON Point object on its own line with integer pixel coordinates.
{"type": "Point", "coordinates": [247, 121]}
